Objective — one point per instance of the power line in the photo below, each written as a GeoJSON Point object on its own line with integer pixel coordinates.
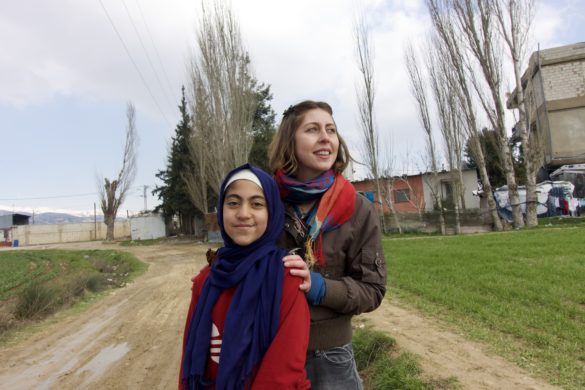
{"type": "Point", "coordinates": [147, 55]}
{"type": "Point", "coordinates": [134, 63]}
{"type": "Point", "coordinates": [155, 49]}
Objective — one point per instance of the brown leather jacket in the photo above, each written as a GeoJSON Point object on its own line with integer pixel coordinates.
{"type": "Point", "coordinates": [355, 272]}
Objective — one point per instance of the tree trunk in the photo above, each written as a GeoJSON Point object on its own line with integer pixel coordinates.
{"type": "Point", "coordinates": [109, 221]}
{"type": "Point", "coordinates": [455, 197]}
{"type": "Point", "coordinates": [390, 203]}
{"type": "Point", "coordinates": [487, 187]}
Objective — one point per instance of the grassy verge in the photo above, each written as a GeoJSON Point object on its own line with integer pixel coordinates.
{"type": "Point", "coordinates": [522, 292]}
{"type": "Point", "coordinates": [34, 284]}
{"type": "Point", "coordinates": [383, 366]}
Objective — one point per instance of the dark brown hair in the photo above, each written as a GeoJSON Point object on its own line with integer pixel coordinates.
{"type": "Point", "coordinates": [281, 153]}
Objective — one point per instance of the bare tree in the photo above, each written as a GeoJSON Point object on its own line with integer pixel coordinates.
{"type": "Point", "coordinates": [418, 90]}
{"type": "Point", "coordinates": [449, 43]}
{"type": "Point", "coordinates": [389, 179]}
{"type": "Point", "coordinates": [514, 20]}
{"type": "Point", "coordinates": [113, 193]}
{"type": "Point", "coordinates": [366, 96]}
{"type": "Point", "coordinates": [475, 21]}
{"type": "Point", "coordinates": [196, 180]}
{"type": "Point", "coordinates": [223, 102]}
{"type": "Point", "coordinates": [441, 77]}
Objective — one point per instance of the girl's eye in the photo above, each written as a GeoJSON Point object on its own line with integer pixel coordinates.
{"type": "Point", "coordinates": [231, 203]}
{"type": "Point", "coordinates": [258, 205]}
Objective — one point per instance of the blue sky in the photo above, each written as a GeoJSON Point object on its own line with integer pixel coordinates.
{"type": "Point", "coordinates": [66, 77]}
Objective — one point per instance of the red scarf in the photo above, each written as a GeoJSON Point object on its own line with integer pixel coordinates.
{"type": "Point", "coordinates": [336, 207]}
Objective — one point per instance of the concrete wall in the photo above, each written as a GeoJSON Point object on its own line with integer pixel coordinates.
{"type": "Point", "coordinates": [147, 227]}
{"type": "Point", "coordinates": [554, 87]}
{"type": "Point", "coordinates": [67, 232]}
{"type": "Point", "coordinates": [469, 185]}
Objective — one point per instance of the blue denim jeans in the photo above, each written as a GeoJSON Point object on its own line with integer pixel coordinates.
{"type": "Point", "coordinates": [333, 369]}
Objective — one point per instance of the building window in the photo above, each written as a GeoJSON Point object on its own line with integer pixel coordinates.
{"type": "Point", "coordinates": [401, 196]}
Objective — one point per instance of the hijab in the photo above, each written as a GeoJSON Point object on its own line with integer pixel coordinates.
{"type": "Point", "coordinates": [253, 317]}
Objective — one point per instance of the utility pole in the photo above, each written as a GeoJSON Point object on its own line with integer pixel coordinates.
{"type": "Point", "coordinates": [145, 187]}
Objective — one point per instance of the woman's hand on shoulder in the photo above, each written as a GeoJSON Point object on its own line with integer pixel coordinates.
{"type": "Point", "coordinates": [299, 268]}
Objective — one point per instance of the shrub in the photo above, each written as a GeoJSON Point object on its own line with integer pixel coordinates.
{"type": "Point", "coordinates": [37, 300]}
{"type": "Point", "coordinates": [95, 283]}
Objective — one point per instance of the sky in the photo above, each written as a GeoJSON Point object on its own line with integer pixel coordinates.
{"type": "Point", "coordinates": [68, 69]}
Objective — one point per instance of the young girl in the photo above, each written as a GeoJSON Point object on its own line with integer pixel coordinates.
{"type": "Point", "coordinates": [248, 321]}
{"type": "Point", "coordinates": [335, 230]}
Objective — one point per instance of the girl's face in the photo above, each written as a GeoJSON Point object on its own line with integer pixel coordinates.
{"type": "Point", "coordinates": [316, 144]}
{"type": "Point", "coordinates": [245, 212]}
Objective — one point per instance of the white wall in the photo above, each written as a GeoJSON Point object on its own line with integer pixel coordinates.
{"type": "Point", "coordinates": [469, 185]}
{"type": "Point", "coordinates": [147, 227]}
{"type": "Point", "coordinates": [67, 232]}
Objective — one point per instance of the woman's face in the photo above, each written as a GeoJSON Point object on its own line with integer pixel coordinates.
{"type": "Point", "coordinates": [316, 144]}
{"type": "Point", "coordinates": [245, 212]}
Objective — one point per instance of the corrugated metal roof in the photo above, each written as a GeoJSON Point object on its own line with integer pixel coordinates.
{"type": "Point", "coordinates": [9, 220]}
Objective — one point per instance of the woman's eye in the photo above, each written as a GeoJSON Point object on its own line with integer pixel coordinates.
{"type": "Point", "coordinates": [311, 129]}
{"type": "Point", "coordinates": [331, 130]}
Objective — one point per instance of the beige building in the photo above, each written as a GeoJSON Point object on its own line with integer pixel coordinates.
{"type": "Point", "coordinates": [554, 88]}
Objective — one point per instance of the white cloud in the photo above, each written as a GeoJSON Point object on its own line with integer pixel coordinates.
{"type": "Point", "coordinates": [304, 49]}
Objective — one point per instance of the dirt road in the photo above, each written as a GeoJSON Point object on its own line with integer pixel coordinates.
{"type": "Point", "coordinates": [131, 339]}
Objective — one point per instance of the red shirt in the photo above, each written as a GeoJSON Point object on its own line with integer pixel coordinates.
{"type": "Point", "coordinates": [283, 364]}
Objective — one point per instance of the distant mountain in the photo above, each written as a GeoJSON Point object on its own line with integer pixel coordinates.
{"type": "Point", "coordinates": [55, 218]}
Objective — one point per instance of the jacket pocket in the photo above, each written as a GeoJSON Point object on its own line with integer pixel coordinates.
{"type": "Point", "coordinates": [373, 266]}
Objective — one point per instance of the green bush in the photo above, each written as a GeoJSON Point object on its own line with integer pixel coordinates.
{"type": "Point", "coordinates": [37, 300]}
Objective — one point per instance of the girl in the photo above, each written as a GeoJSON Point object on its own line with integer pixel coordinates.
{"type": "Point", "coordinates": [335, 230]}
{"type": "Point", "coordinates": [248, 321]}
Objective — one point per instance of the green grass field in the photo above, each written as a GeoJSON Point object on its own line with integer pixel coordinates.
{"type": "Point", "coordinates": [521, 292]}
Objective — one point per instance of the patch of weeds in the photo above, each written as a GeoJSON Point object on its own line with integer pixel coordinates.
{"type": "Point", "coordinates": [141, 242]}
{"type": "Point", "coordinates": [369, 346]}
{"type": "Point", "coordinates": [95, 283]}
{"type": "Point", "coordinates": [35, 301]}
{"type": "Point", "coordinates": [7, 320]}
{"type": "Point", "coordinates": [401, 372]}
{"type": "Point", "coordinates": [381, 366]}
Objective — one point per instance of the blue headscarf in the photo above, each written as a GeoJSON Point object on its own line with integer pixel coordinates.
{"type": "Point", "coordinates": [254, 313]}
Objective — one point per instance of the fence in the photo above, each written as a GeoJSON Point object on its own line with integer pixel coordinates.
{"type": "Point", "coordinates": [67, 232]}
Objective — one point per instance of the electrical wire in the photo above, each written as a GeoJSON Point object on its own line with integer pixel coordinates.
{"type": "Point", "coordinates": [171, 105]}
{"type": "Point", "coordinates": [164, 71]}
{"type": "Point", "coordinates": [134, 63]}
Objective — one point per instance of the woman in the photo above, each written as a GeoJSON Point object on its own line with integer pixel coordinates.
{"type": "Point", "coordinates": [332, 228]}
{"type": "Point", "coordinates": [248, 322]}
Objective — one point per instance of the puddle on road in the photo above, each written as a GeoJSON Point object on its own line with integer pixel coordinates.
{"type": "Point", "coordinates": [41, 373]}
{"type": "Point", "coordinates": [104, 359]}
